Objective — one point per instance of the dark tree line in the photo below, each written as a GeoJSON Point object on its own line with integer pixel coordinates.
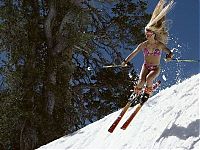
{"type": "Point", "coordinates": [46, 89]}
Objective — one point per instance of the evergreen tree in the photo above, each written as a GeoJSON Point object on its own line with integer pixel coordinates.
{"type": "Point", "coordinates": [47, 89]}
{"type": "Point", "coordinates": [38, 37]}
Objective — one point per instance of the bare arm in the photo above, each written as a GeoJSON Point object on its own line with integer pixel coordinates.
{"type": "Point", "coordinates": [134, 53]}
{"type": "Point", "coordinates": [165, 49]}
{"type": "Point", "coordinates": [169, 55]}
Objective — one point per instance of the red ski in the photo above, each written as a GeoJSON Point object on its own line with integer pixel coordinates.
{"type": "Point", "coordinates": [144, 98]}
{"type": "Point", "coordinates": [128, 121]}
{"type": "Point", "coordinates": [116, 122]}
{"type": "Point", "coordinates": [133, 98]}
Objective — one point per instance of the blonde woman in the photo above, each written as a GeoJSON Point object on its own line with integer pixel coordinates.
{"type": "Point", "coordinates": [156, 34]}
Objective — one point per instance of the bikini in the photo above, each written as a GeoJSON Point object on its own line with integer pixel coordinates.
{"type": "Point", "coordinates": [156, 53]}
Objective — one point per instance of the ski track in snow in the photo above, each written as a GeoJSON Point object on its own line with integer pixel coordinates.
{"type": "Point", "coordinates": [168, 120]}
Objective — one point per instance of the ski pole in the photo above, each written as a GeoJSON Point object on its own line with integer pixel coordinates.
{"type": "Point", "coordinates": [109, 66]}
{"type": "Point", "coordinates": [184, 60]}
{"type": "Point", "coordinates": [112, 66]}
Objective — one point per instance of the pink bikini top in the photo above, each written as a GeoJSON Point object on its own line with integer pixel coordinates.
{"type": "Point", "coordinates": [156, 52]}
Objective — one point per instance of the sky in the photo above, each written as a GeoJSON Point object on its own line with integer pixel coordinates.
{"type": "Point", "coordinates": [184, 37]}
{"type": "Point", "coordinates": [175, 126]}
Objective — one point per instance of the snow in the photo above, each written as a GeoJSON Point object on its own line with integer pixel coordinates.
{"type": "Point", "coordinates": [164, 77]}
{"type": "Point", "coordinates": [168, 120]}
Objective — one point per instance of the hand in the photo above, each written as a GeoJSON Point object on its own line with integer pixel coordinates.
{"type": "Point", "coordinates": [124, 64]}
{"type": "Point", "coordinates": [169, 56]}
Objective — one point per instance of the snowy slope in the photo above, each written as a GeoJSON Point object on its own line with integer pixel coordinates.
{"type": "Point", "coordinates": [168, 120]}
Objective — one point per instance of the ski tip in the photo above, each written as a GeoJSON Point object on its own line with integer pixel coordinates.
{"type": "Point", "coordinates": [109, 130]}
{"type": "Point", "coordinates": [123, 128]}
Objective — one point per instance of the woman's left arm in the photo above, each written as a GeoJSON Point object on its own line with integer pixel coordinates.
{"type": "Point", "coordinates": [166, 50]}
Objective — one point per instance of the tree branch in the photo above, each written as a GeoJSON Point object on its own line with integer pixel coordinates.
{"type": "Point", "coordinates": [48, 24]}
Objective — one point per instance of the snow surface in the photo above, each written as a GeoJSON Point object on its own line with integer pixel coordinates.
{"type": "Point", "coordinates": [168, 120]}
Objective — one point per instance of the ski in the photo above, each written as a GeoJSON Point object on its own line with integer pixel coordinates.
{"type": "Point", "coordinates": [143, 99]}
{"type": "Point", "coordinates": [133, 99]}
{"type": "Point", "coordinates": [128, 121]}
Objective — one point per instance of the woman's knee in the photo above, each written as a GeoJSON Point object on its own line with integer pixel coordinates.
{"type": "Point", "coordinates": [149, 79]}
{"type": "Point", "coordinates": [153, 75]}
{"type": "Point", "coordinates": [141, 82]}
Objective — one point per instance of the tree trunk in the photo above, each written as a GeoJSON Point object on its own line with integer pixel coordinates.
{"type": "Point", "coordinates": [28, 137]}
{"type": "Point", "coordinates": [56, 45]}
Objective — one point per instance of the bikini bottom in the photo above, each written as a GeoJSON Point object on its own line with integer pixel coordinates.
{"type": "Point", "coordinates": [151, 67]}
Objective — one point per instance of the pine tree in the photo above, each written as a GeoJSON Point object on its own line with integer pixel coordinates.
{"type": "Point", "coordinates": [38, 38]}
{"type": "Point", "coordinates": [48, 45]}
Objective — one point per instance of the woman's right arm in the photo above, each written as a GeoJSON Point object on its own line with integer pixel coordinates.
{"type": "Point", "coordinates": [134, 53]}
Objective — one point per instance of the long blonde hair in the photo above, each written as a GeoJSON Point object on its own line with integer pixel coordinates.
{"type": "Point", "coordinates": [158, 23]}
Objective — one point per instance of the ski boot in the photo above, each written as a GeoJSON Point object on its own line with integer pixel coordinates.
{"type": "Point", "coordinates": [148, 91]}
{"type": "Point", "coordinates": [135, 97]}
{"type": "Point", "coordinates": [137, 90]}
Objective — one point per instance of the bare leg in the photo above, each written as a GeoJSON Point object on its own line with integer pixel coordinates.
{"type": "Point", "coordinates": [142, 79]}
{"type": "Point", "coordinates": [152, 76]}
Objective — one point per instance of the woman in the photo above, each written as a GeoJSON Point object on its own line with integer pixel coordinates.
{"type": "Point", "coordinates": [156, 34]}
